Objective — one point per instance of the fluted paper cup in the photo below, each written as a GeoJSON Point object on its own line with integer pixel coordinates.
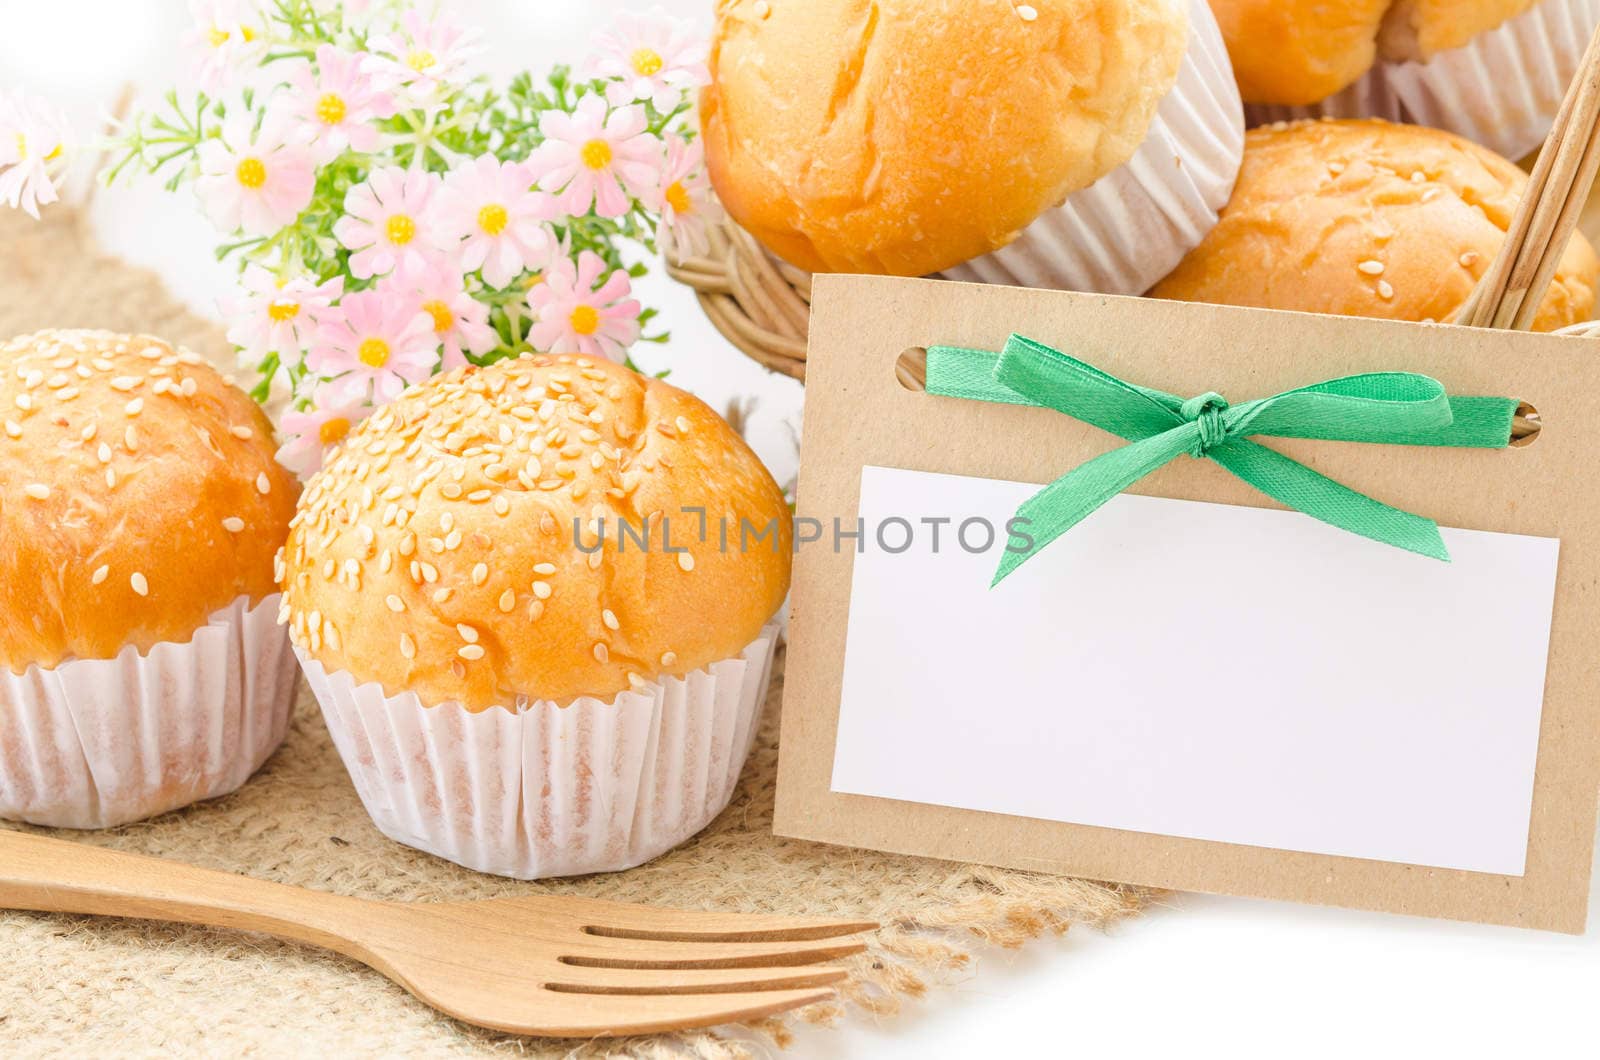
{"type": "Point", "coordinates": [96, 743]}
{"type": "Point", "coordinates": [1131, 227]}
{"type": "Point", "coordinates": [546, 789]}
{"type": "Point", "coordinates": [1501, 89]}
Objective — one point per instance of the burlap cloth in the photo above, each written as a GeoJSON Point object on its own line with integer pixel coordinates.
{"type": "Point", "coordinates": [83, 986]}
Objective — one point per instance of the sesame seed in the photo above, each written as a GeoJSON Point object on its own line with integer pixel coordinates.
{"type": "Point", "coordinates": [233, 524]}
{"type": "Point", "coordinates": [100, 574]}
{"type": "Point", "coordinates": [600, 653]}
{"type": "Point", "coordinates": [1026, 13]}
{"type": "Point", "coordinates": [408, 647]}
{"type": "Point", "coordinates": [609, 618]}
{"type": "Point", "coordinates": [442, 594]}
{"type": "Point", "coordinates": [668, 658]}
{"type": "Point", "coordinates": [685, 560]}
{"type": "Point", "coordinates": [111, 478]}
{"type": "Point", "coordinates": [470, 652]}
{"type": "Point", "coordinates": [263, 484]}
{"type": "Point", "coordinates": [13, 428]}
{"type": "Point", "coordinates": [125, 383]}
{"type": "Point", "coordinates": [140, 584]}
{"type": "Point", "coordinates": [394, 603]}
{"type": "Point", "coordinates": [134, 407]}
{"type": "Point", "coordinates": [104, 453]}
{"type": "Point", "coordinates": [480, 574]}
{"type": "Point", "coordinates": [683, 424]}
{"type": "Point", "coordinates": [468, 634]}
{"type": "Point", "coordinates": [1371, 267]}
{"type": "Point", "coordinates": [1468, 259]}
{"type": "Point", "coordinates": [1385, 290]}
{"type": "Point", "coordinates": [544, 568]}
{"type": "Point", "coordinates": [541, 590]}
{"type": "Point", "coordinates": [244, 434]}
{"type": "Point", "coordinates": [24, 402]}
{"type": "Point", "coordinates": [37, 490]}
{"type": "Point", "coordinates": [508, 601]}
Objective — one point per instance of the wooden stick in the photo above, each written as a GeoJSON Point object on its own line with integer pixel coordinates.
{"type": "Point", "coordinates": [1510, 291]}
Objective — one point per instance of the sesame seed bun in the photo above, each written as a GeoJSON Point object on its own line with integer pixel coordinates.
{"type": "Point", "coordinates": [1296, 52]}
{"type": "Point", "coordinates": [1366, 218]}
{"type": "Point", "coordinates": [436, 552]}
{"type": "Point", "coordinates": [138, 495]}
{"type": "Point", "coordinates": [908, 136]}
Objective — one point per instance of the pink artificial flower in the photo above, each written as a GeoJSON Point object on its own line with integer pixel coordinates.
{"type": "Point", "coordinates": [278, 316]}
{"type": "Point", "coordinates": [650, 56]}
{"type": "Point", "coordinates": [439, 289]}
{"type": "Point", "coordinates": [424, 60]}
{"type": "Point", "coordinates": [590, 157]}
{"type": "Point", "coordinates": [378, 342]}
{"type": "Point", "coordinates": [491, 207]}
{"type": "Point", "coordinates": [33, 137]}
{"type": "Point", "coordinates": [253, 180]}
{"type": "Point", "coordinates": [228, 36]}
{"type": "Point", "coordinates": [334, 103]}
{"type": "Point", "coordinates": [572, 315]}
{"type": "Point", "coordinates": [687, 203]}
{"type": "Point", "coordinates": [389, 219]}
{"type": "Point", "coordinates": [312, 432]}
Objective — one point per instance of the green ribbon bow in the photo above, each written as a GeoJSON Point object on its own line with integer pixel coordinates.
{"type": "Point", "coordinates": [1394, 408]}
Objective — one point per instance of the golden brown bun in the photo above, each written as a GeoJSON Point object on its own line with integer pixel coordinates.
{"type": "Point", "coordinates": [908, 136]}
{"type": "Point", "coordinates": [1365, 218]}
{"type": "Point", "coordinates": [1296, 52]}
{"type": "Point", "coordinates": [445, 525]}
{"type": "Point", "coordinates": [127, 465]}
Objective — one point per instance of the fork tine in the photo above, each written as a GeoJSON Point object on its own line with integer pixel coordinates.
{"type": "Point", "coordinates": [611, 1015]}
{"type": "Point", "coordinates": [590, 980]}
{"type": "Point", "coordinates": [626, 921]}
{"type": "Point", "coordinates": [603, 951]}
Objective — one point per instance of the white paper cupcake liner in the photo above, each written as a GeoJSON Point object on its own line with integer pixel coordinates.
{"type": "Point", "coordinates": [549, 790]}
{"type": "Point", "coordinates": [1502, 89]}
{"type": "Point", "coordinates": [1131, 227]}
{"type": "Point", "coordinates": [96, 743]}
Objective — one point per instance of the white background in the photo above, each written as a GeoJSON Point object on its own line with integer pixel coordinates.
{"type": "Point", "coordinates": [1194, 974]}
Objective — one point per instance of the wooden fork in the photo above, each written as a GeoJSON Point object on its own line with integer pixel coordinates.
{"type": "Point", "coordinates": [545, 965]}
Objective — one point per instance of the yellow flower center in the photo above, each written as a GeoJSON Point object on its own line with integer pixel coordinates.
{"type": "Point", "coordinates": [596, 154]}
{"type": "Point", "coordinates": [400, 229]}
{"type": "Point", "coordinates": [534, 279]}
{"type": "Point", "coordinates": [493, 219]}
{"type": "Point", "coordinates": [585, 320]}
{"type": "Point", "coordinates": [374, 353]}
{"type": "Point", "coordinates": [678, 198]}
{"type": "Point", "coordinates": [333, 429]}
{"type": "Point", "coordinates": [251, 173]}
{"type": "Point", "coordinates": [420, 60]}
{"type": "Point", "coordinates": [280, 312]}
{"type": "Point", "coordinates": [217, 36]}
{"type": "Point", "coordinates": [331, 109]}
{"type": "Point", "coordinates": [443, 319]}
{"type": "Point", "coordinates": [646, 62]}
{"type": "Point", "coordinates": [22, 148]}
{"type": "Point", "coordinates": [55, 153]}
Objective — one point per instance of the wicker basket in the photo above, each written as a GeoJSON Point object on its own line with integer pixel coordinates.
{"type": "Point", "coordinates": [762, 303]}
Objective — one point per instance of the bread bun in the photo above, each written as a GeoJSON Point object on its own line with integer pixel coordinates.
{"type": "Point", "coordinates": [138, 495]}
{"type": "Point", "coordinates": [1297, 52]}
{"type": "Point", "coordinates": [908, 136]}
{"type": "Point", "coordinates": [437, 551]}
{"type": "Point", "coordinates": [1366, 218]}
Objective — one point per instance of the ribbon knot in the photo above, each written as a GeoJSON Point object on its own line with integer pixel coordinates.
{"type": "Point", "coordinates": [1205, 411]}
{"type": "Point", "coordinates": [1393, 408]}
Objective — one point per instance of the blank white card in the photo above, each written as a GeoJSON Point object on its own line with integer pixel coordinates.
{"type": "Point", "coordinates": [1224, 673]}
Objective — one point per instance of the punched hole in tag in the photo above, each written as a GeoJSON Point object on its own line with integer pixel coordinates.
{"type": "Point", "coordinates": [911, 368]}
{"type": "Point", "coordinates": [1525, 426]}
